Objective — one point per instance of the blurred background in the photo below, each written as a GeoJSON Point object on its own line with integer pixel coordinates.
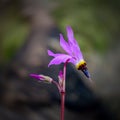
{"type": "Point", "coordinates": [28, 28]}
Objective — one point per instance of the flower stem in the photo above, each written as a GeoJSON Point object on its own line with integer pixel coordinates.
{"type": "Point", "coordinates": [63, 91]}
{"type": "Point", "coordinates": [62, 105]}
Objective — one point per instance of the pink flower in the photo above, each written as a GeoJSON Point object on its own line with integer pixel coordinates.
{"type": "Point", "coordinates": [73, 53]}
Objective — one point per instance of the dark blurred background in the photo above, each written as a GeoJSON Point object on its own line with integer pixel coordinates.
{"type": "Point", "coordinates": [28, 28]}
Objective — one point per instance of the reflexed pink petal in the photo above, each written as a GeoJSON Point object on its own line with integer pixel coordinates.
{"type": "Point", "coordinates": [60, 58]}
{"type": "Point", "coordinates": [50, 53]}
{"type": "Point", "coordinates": [70, 34]}
{"type": "Point", "coordinates": [77, 52]}
{"type": "Point", "coordinates": [64, 44]}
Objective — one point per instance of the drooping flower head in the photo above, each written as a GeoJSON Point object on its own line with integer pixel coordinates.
{"type": "Point", "coordinates": [73, 53]}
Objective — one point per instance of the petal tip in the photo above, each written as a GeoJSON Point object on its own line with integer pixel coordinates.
{"type": "Point", "coordinates": [69, 28]}
{"type": "Point", "coordinates": [48, 65]}
{"type": "Point", "coordinates": [50, 53]}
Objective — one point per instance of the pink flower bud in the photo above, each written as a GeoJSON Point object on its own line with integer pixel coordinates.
{"type": "Point", "coordinates": [42, 78]}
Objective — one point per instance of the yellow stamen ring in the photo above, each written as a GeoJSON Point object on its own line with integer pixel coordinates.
{"type": "Point", "coordinates": [81, 64]}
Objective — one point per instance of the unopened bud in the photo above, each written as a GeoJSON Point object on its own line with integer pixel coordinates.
{"type": "Point", "coordinates": [42, 78]}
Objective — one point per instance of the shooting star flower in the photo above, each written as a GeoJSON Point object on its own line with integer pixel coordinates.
{"type": "Point", "coordinates": [73, 53]}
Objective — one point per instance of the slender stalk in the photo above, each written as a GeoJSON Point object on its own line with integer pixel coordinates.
{"type": "Point", "coordinates": [63, 91]}
{"type": "Point", "coordinates": [62, 105]}
{"type": "Point", "coordinates": [64, 75]}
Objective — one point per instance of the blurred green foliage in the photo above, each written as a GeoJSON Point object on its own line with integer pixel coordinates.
{"type": "Point", "coordinates": [95, 22]}
{"type": "Point", "coordinates": [13, 32]}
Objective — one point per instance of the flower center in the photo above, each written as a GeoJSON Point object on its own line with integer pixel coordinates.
{"type": "Point", "coordinates": [80, 65]}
